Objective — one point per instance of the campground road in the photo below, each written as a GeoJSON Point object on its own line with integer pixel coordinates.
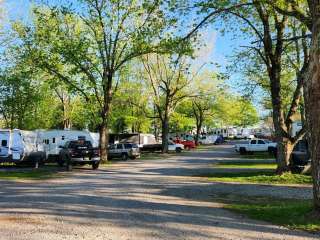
{"type": "Point", "coordinates": [143, 200]}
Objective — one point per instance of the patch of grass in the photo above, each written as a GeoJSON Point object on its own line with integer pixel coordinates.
{"type": "Point", "coordinates": [253, 165]}
{"type": "Point", "coordinates": [262, 155]}
{"type": "Point", "coordinates": [154, 156]}
{"type": "Point", "coordinates": [294, 214]}
{"type": "Point", "coordinates": [33, 174]}
{"type": "Point", "coordinates": [263, 177]}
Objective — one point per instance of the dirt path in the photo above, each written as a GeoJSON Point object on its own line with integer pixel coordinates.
{"type": "Point", "coordinates": [142, 200]}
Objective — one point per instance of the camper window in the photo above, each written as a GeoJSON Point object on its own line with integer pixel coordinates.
{"type": "Point", "coordinates": [53, 140]}
{"type": "Point", "coordinates": [4, 143]}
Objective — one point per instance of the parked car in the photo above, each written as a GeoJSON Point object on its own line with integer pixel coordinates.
{"type": "Point", "coordinates": [177, 147]}
{"type": "Point", "coordinates": [208, 139]}
{"type": "Point", "coordinates": [256, 145]}
{"type": "Point", "coordinates": [219, 140]}
{"type": "Point", "coordinates": [188, 144]}
{"type": "Point", "coordinates": [124, 151]}
{"type": "Point", "coordinates": [300, 156]}
{"type": "Point", "coordinates": [79, 152]}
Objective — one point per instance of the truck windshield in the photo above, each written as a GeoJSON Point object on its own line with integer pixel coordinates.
{"type": "Point", "coordinates": [80, 144]}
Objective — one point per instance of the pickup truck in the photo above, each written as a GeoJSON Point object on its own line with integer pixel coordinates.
{"type": "Point", "coordinates": [78, 152]}
{"type": "Point", "coordinates": [256, 145]}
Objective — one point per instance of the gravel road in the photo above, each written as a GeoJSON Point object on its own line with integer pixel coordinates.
{"type": "Point", "coordinates": [143, 200]}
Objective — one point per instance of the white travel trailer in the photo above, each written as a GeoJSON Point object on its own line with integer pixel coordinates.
{"type": "Point", "coordinates": [53, 139]}
{"type": "Point", "coordinates": [20, 146]}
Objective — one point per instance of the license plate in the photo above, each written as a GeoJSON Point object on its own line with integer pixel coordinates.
{"type": "Point", "coordinates": [86, 159]}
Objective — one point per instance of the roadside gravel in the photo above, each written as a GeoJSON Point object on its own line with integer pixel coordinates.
{"type": "Point", "coordinates": [144, 200]}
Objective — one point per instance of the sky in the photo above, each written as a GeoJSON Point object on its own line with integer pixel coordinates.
{"type": "Point", "coordinates": [218, 47]}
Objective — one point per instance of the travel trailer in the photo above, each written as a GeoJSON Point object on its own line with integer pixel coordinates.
{"type": "Point", "coordinates": [53, 139]}
{"type": "Point", "coordinates": [19, 146]}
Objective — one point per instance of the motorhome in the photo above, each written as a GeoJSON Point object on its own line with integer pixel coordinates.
{"type": "Point", "coordinates": [52, 140]}
{"type": "Point", "coordinates": [19, 146]}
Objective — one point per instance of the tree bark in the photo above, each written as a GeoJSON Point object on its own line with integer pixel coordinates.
{"type": "Point", "coordinates": [312, 93]}
{"type": "Point", "coordinates": [285, 148]}
{"type": "Point", "coordinates": [103, 142]}
{"type": "Point", "coordinates": [165, 134]}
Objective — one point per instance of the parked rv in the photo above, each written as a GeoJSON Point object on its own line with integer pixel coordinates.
{"type": "Point", "coordinates": [19, 146]}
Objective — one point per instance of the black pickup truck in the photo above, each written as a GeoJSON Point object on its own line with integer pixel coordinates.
{"type": "Point", "coordinates": [79, 152]}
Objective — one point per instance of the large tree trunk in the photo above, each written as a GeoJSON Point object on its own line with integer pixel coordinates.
{"type": "Point", "coordinates": [313, 104]}
{"type": "Point", "coordinates": [284, 152]}
{"type": "Point", "coordinates": [103, 142]}
{"type": "Point", "coordinates": [284, 146]}
{"type": "Point", "coordinates": [105, 114]}
{"type": "Point", "coordinates": [197, 135]}
{"type": "Point", "coordinates": [165, 134]}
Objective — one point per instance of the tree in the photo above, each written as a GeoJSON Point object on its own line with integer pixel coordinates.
{"type": "Point", "coordinates": [270, 32]}
{"type": "Point", "coordinates": [310, 18]}
{"type": "Point", "coordinates": [167, 77]}
{"type": "Point", "coordinates": [93, 42]}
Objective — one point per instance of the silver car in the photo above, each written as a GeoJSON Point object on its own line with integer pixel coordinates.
{"type": "Point", "coordinates": [124, 151]}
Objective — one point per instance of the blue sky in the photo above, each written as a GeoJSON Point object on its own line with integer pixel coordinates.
{"type": "Point", "coordinates": [218, 47]}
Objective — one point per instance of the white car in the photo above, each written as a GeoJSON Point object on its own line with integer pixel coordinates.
{"type": "Point", "coordinates": [256, 145]}
{"type": "Point", "coordinates": [177, 147]}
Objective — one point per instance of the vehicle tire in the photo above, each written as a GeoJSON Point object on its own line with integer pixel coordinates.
{"type": "Point", "coordinates": [178, 150]}
{"type": "Point", "coordinates": [95, 165]}
{"type": "Point", "coordinates": [242, 151]}
{"type": "Point", "coordinates": [272, 151]}
{"type": "Point", "coordinates": [124, 156]}
{"type": "Point", "coordinates": [60, 162]}
{"type": "Point", "coordinates": [69, 165]}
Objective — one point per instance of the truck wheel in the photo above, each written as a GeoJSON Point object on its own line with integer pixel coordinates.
{"type": "Point", "coordinates": [69, 165]}
{"type": "Point", "coordinates": [272, 151]}
{"type": "Point", "coordinates": [95, 165]}
{"type": "Point", "coordinates": [242, 151]}
{"type": "Point", "coordinates": [178, 150]}
{"type": "Point", "coordinates": [60, 162]}
{"type": "Point", "coordinates": [124, 156]}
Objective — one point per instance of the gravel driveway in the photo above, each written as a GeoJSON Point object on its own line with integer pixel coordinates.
{"type": "Point", "coordinates": [141, 200]}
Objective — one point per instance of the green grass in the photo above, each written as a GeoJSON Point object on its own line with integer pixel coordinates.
{"type": "Point", "coordinates": [263, 177]}
{"type": "Point", "coordinates": [294, 214]}
{"type": "Point", "coordinates": [263, 155]}
{"type": "Point", "coordinates": [32, 174]}
{"type": "Point", "coordinates": [154, 156]}
{"type": "Point", "coordinates": [250, 165]}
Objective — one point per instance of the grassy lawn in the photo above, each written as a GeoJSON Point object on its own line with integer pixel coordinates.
{"type": "Point", "coordinates": [294, 214]}
{"type": "Point", "coordinates": [263, 177]}
{"type": "Point", "coordinates": [262, 155]}
{"type": "Point", "coordinates": [32, 174]}
{"type": "Point", "coordinates": [154, 156]}
{"type": "Point", "coordinates": [250, 165]}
